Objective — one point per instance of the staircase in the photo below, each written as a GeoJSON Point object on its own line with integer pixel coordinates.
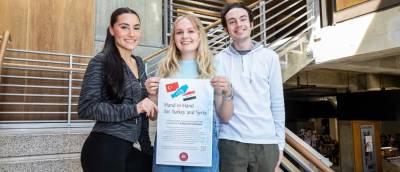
{"type": "Point", "coordinates": [283, 26]}
{"type": "Point", "coordinates": [46, 88]}
{"type": "Point", "coordinates": [287, 27]}
{"type": "Point", "coordinates": [55, 149]}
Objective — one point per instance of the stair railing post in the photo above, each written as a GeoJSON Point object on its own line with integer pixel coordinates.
{"type": "Point", "coordinates": [315, 23]}
{"type": "Point", "coordinates": [146, 68]}
{"type": "Point", "coordinates": [165, 22]}
{"type": "Point", "coordinates": [263, 16]}
{"type": "Point", "coordinates": [317, 15]}
{"type": "Point", "coordinates": [70, 90]}
{"type": "Point", "coordinates": [171, 12]}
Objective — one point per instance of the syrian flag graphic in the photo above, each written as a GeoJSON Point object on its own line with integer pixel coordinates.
{"type": "Point", "coordinates": [189, 96]}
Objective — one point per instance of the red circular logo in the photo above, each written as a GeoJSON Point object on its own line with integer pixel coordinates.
{"type": "Point", "coordinates": [183, 156]}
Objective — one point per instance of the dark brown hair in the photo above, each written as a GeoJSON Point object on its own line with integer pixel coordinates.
{"type": "Point", "coordinates": [113, 67]}
{"type": "Point", "coordinates": [228, 7]}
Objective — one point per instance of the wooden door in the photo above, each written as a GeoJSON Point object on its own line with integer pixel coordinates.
{"type": "Point", "coordinates": [342, 4]}
{"type": "Point", "coordinates": [360, 147]}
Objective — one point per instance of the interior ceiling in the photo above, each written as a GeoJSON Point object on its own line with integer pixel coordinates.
{"type": "Point", "coordinates": [345, 73]}
{"type": "Point", "coordinates": [301, 92]}
{"type": "Point", "coordinates": [381, 62]}
{"type": "Point", "coordinates": [387, 65]}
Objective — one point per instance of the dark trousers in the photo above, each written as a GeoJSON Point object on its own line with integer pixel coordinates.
{"type": "Point", "coordinates": [245, 157]}
{"type": "Point", "coordinates": [106, 153]}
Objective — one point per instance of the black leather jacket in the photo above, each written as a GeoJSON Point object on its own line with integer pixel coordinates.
{"type": "Point", "coordinates": [120, 120]}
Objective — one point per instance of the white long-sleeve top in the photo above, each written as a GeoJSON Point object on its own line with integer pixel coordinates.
{"type": "Point", "coordinates": [259, 110]}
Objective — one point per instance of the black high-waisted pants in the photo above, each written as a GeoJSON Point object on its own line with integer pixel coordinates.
{"type": "Point", "coordinates": [106, 153]}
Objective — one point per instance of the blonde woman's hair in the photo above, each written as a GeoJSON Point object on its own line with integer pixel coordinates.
{"type": "Point", "coordinates": [170, 64]}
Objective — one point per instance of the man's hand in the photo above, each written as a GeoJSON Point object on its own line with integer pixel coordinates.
{"type": "Point", "coordinates": [222, 84]}
{"type": "Point", "coordinates": [280, 158]}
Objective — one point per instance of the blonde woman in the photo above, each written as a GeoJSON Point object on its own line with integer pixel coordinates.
{"type": "Point", "coordinates": [188, 57]}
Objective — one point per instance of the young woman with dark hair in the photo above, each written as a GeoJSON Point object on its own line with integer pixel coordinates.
{"type": "Point", "coordinates": [113, 94]}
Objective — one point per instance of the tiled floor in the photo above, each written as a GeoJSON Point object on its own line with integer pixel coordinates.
{"type": "Point", "coordinates": [391, 166]}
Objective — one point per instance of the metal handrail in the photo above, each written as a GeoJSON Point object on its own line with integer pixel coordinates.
{"type": "Point", "coordinates": [281, 48]}
{"type": "Point", "coordinates": [207, 28]}
{"type": "Point", "coordinates": [283, 19]}
{"type": "Point", "coordinates": [40, 78]}
{"type": "Point", "coordinates": [43, 61]}
{"type": "Point", "coordinates": [280, 12]}
{"type": "Point", "coordinates": [36, 103]}
{"type": "Point", "coordinates": [261, 31]}
{"type": "Point", "coordinates": [289, 44]}
{"type": "Point", "coordinates": [288, 165]}
{"type": "Point", "coordinates": [219, 39]}
{"type": "Point", "coordinates": [197, 15]}
{"type": "Point", "coordinates": [34, 112]}
{"type": "Point", "coordinates": [44, 66]}
{"type": "Point", "coordinates": [38, 86]}
{"type": "Point", "coordinates": [296, 156]}
{"type": "Point", "coordinates": [37, 95]}
{"type": "Point", "coordinates": [287, 33]}
{"type": "Point", "coordinates": [214, 1]}
{"type": "Point", "coordinates": [197, 3]}
{"type": "Point", "coordinates": [47, 53]}
{"type": "Point", "coordinates": [308, 153]}
{"type": "Point", "coordinates": [225, 36]}
{"type": "Point", "coordinates": [292, 22]}
{"type": "Point", "coordinates": [198, 10]}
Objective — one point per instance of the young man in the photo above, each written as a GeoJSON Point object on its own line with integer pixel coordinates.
{"type": "Point", "coordinates": [253, 139]}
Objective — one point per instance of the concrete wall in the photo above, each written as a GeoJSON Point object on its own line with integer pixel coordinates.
{"type": "Point", "coordinates": [328, 78]}
{"type": "Point", "coordinates": [377, 33]}
{"type": "Point", "coordinates": [346, 146]}
{"type": "Point", "coordinates": [150, 12]}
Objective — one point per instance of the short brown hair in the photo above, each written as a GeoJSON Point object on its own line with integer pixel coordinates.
{"type": "Point", "coordinates": [228, 7]}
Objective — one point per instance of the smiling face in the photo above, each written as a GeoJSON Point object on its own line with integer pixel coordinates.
{"type": "Point", "coordinates": [187, 38]}
{"type": "Point", "coordinates": [238, 24]}
{"type": "Point", "coordinates": [126, 32]}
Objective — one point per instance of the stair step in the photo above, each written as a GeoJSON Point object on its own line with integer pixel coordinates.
{"type": "Point", "coordinates": [44, 149]}
{"type": "Point", "coordinates": [296, 52]}
{"type": "Point", "coordinates": [57, 162]}
{"type": "Point", "coordinates": [31, 142]}
{"type": "Point", "coordinates": [294, 62]}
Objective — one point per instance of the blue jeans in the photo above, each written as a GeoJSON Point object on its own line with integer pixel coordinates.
{"type": "Point", "coordinates": [214, 164]}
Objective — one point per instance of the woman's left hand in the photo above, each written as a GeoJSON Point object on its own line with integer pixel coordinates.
{"type": "Point", "coordinates": [149, 107]}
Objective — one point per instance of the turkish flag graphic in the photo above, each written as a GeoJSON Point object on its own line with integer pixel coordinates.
{"type": "Point", "coordinates": [172, 86]}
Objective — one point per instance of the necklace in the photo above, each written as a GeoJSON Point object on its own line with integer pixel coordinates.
{"type": "Point", "coordinates": [131, 62]}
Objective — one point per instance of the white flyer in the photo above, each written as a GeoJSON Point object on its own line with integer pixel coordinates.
{"type": "Point", "coordinates": [184, 124]}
